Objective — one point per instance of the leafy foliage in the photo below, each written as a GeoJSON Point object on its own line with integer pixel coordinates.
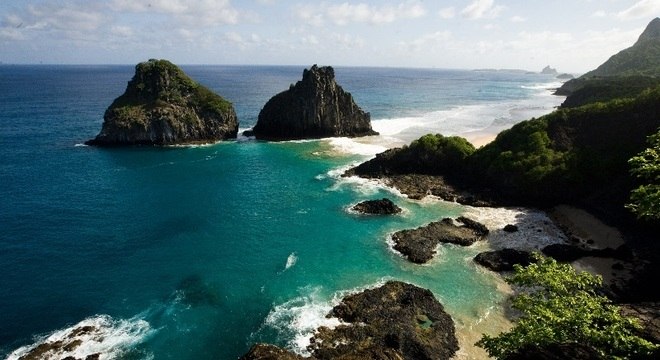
{"type": "Point", "coordinates": [584, 91]}
{"type": "Point", "coordinates": [439, 152]}
{"type": "Point", "coordinates": [560, 306]}
{"type": "Point", "coordinates": [645, 200]}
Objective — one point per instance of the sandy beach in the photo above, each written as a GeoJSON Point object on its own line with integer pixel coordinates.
{"type": "Point", "coordinates": [588, 231]}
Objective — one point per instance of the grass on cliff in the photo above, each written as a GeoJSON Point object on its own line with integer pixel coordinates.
{"type": "Point", "coordinates": [161, 84]}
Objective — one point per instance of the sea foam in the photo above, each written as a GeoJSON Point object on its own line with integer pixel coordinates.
{"type": "Point", "coordinates": [109, 338]}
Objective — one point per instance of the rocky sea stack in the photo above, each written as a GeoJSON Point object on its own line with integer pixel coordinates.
{"type": "Point", "coordinates": [163, 106]}
{"type": "Point", "coordinates": [315, 107]}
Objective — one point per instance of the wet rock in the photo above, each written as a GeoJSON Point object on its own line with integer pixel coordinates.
{"type": "Point", "coordinates": [383, 206]}
{"type": "Point", "coordinates": [504, 259]}
{"type": "Point", "coordinates": [269, 352]}
{"type": "Point", "coordinates": [394, 321]}
{"type": "Point", "coordinates": [510, 228]}
{"type": "Point", "coordinates": [418, 245]}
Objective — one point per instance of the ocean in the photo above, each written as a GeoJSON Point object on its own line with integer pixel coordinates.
{"type": "Point", "coordinates": [198, 252]}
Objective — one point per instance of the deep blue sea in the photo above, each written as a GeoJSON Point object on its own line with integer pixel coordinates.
{"type": "Point", "coordinates": [199, 252]}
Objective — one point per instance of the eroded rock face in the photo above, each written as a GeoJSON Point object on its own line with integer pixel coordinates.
{"type": "Point", "coordinates": [315, 107]}
{"type": "Point", "coordinates": [418, 245]}
{"type": "Point", "coordinates": [383, 206]}
{"type": "Point", "coordinates": [394, 321]}
{"type": "Point", "coordinates": [163, 106]}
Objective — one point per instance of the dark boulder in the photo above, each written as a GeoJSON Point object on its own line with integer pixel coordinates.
{"type": "Point", "coordinates": [510, 228]}
{"type": "Point", "coordinates": [315, 107]}
{"type": "Point", "coordinates": [383, 206]}
{"type": "Point", "coordinates": [504, 259]}
{"type": "Point", "coordinates": [418, 245]}
{"type": "Point", "coordinates": [394, 321]}
{"type": "Point", "coordinates": [269, 352]}
{"type": "Point", "coordinates": [163, 106]}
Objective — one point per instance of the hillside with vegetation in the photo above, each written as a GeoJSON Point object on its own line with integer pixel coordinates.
{"type": "Point", "coordinates": [625, 74]}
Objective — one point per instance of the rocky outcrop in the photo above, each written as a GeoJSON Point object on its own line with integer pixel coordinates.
{"type": "Point", "coordinates": [383, 206]}
{"type": "Point", "coordinates": [269, 352]}
{"type": "Point", "coordinates": [394, 321]}
{"type": "Point", "coordinates": [648, 315]}
{"type": "Point", "coordinates": [163, 106]}
{"type": "Point", "coordinates": [315, 107]}
{"type": "Point", "coordinates": [418, 245]}
{"type": "Point", "coordinates": [549, 71]}
{"type": "Point", "coordinates": [504, 259]}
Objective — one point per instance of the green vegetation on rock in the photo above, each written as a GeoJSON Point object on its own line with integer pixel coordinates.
{"type": "Point", "coordinates": [625, 74]}
{"type": "Point", "coordinates": [645, 200]}
{"type": "Point", "coordinates": [562, 306]}
{"type": "Point", "coordinates": [163, 106]}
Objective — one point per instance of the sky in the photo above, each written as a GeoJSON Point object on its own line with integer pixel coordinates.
{"type": "Point", "coordinates": [570, 35]}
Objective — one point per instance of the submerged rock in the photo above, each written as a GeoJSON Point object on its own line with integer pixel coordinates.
{"type": "Point", "coordinates": [315, 107]}
{"type": "Point", "coordinates": [418, 245]}
{"type": "Point", "coordinates": [394, 321]}
{"type": "Point", "coordinates": [163, 106]}
{"type": "Point", "coordinates": [383, 206]}
{"type": "Point", "coordinates": [504, 259]}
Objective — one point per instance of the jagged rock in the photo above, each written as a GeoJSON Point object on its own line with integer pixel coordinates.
{"type": "Point", "coordinates": [383, 206]}
{"type": "Point", "coordinates": [394, 321]}
{"type": "Point", "coordinates": [418, 245]}
{"type": "Point", "coordinates": [315, 107]}
{"type": "Point", "coordinates": [504, 259]}
{"type": "Point", "coordinates": [269, 352]}
{"type": "Point", "coordinates": [510, 228]}
{"type": "Point", "coordinates": [163, 106]}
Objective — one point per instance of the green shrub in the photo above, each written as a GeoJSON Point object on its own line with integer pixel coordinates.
{"type": "Point", "coordinates": [561, 306]}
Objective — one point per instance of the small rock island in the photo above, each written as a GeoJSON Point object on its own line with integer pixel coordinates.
{"type": "Point", "coordinates": [163, 106]}
{"type": "Point", "coordinates": [315, 107]}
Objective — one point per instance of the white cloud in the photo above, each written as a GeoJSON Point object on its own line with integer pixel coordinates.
{"type": "Point", "coordinates": [428, 42]}
{"type": "Point", "coordinates": [346, 13]}
{"type": "Point", "coordinates": [348, 41]}
{"type": "Point", "coordinates": [479, 9]}
{"type": "Point", "coordinates": [199, 13]}
{"type": "Point", "coordinates": [123, 31]}
{"type": "Point", "coordinates": [518, 19]}
{"type": "Point", "coordinates": [447, 13]}
{"type": "Point", "coordinates": [599, 14]}
{"type": "Point", "coordinates": [641, 9]}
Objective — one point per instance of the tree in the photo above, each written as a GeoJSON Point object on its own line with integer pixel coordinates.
{"type": "Point", "coordinates": [645, 200]}
{"type": "Point", "coordinates": [558, 306]}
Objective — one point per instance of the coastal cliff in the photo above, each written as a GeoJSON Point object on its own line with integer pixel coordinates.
{"type": "Point", "coordinates": [163, 106]}
{"type": "Point", "coordinates": [315, 107]}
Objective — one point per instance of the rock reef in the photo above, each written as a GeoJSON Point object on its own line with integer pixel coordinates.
{"type": "Point", "coordinates": [418, 245]}
{"type": "Point", "coordinates": [383, 206]}
{"type": "Point", "coordinates": [315, 107]}
{"type": "Point", "coordinates": [504, 259]}
{"type": "Point", "coordinates": [163, 106]}
{"type": "Point", "coordinates": [394, 321]}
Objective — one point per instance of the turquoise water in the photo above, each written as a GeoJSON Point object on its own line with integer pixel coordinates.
{"type": "Point", "coordinates": [198, 252]}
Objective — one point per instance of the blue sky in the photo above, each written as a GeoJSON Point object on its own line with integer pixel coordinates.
{"type": "Point", "coordinates": [571, 35]}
